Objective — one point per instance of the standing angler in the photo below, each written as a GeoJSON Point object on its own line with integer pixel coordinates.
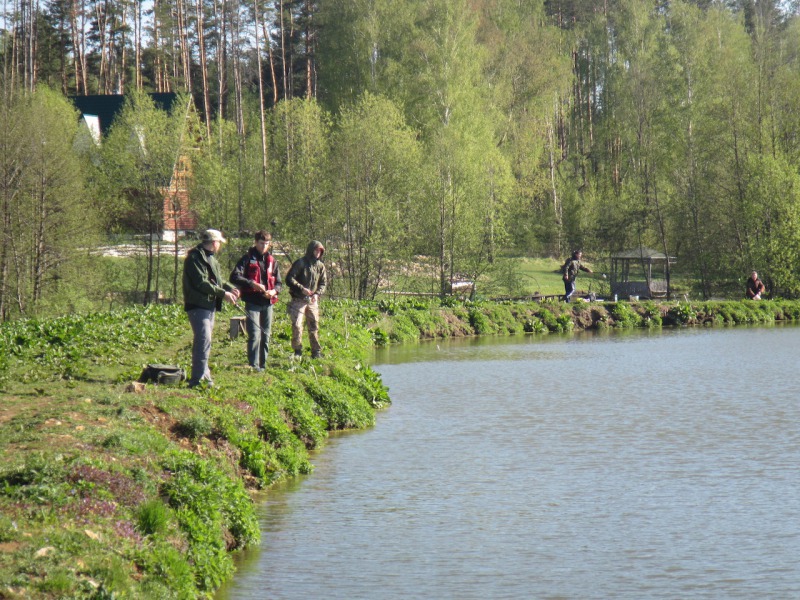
{"type": "Point", "coordinates": [306, 279]}
{"type": "Point", "coordinates": [259, 280]}
{"type": "Point", "coordinates": [203, 293]}
{"type": "Point", "coordinates": [570, 269]}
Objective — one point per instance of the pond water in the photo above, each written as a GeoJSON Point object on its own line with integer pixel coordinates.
{"type": "Point", "coordinates": [643, 465]}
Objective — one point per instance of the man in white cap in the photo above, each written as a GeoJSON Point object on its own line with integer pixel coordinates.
{"type": "Point", "coordinates": [203, 293]}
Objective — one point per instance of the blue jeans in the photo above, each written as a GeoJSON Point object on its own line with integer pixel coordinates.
{"type": "Point", "coordinates": [202, 322]}
{"type": "Point", "coordinates": [569, 289]}
{"type": "Point", "coordinates": [259, 329]}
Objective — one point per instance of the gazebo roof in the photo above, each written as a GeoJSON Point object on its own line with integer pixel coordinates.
{"type": "Point", "coordinates": [642, 253]}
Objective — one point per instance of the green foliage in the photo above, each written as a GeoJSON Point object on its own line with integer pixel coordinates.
{"type": "Point", "coordinates": [481, 323]}
{"type": "Point", "coordinates": [623, 315]}
{"type": "Point", "coordinates": [651, 315]}
{"type": "Point", "coordinates": [206, 503]}
{"type": "Point", "coordinates": [152, 517]}
{"type": "Point", "coordinates": [403, 329]}
{"type": "Point", "coordinates": [47, 217]}
{"type": "Point", "coordinates": [168, 572]}
{"type": "Point", "coordinates": [366, 381]}
{"type": "Point", "coordinates": [194, 426]}
{"type": "Point", "coordinates": [341, 406]}
{"type": "Point", "coordinates": [68, 346]}
{"type": "Point", "coordinates": [58, 582]}
{"type": "Point", "coordinates": [534, 325]}
{"type": "Point", "coordinates": [682, 314]}
{"type": "Point", "coordinates": [548, 319]}
{"type": "Point", "coordinates": [300, 409]}
{"type": "Point", "coordinates": [300, 153]}
{"type": "Point", "coordinates": [377, 161]}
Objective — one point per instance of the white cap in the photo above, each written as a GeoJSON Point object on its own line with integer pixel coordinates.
{"type": "Point", "coordinates": [213, 235]}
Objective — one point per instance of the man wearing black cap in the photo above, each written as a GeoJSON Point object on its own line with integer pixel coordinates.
{"type": "Point", "coordinates": [307, 280]}
{"type": "Point", "coordinates": [203, 293]}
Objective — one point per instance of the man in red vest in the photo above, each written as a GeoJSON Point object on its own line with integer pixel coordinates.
{"type": "Point", "coordinates": [258, 278]}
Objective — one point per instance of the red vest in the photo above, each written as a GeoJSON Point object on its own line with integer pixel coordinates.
{"type": "Point", "coordinates": [252, 271]}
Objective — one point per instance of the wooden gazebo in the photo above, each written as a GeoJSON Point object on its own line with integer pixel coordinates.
{"type": "Point", "coordinates": [641, 272]}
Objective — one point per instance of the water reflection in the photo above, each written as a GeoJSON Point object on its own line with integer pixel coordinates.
{"type": "Point", "coordinates": [636, 466]}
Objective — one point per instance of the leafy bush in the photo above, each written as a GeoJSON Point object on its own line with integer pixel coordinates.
{"type": "Point", "coordinates": [534, 325]}
{"type": "Point", "coordinates": [480, 323]}
{"type": "Point", "coordinates": [379, 337]}
{"type": "Point", "coordinates": [152, 517]}
{"type": "Point", "coordinates": [342, 408]}
{"type": "Point", "coordinates": [682, 314]}
{"type": "Point", "coordinates": [403, 329]}
{"type": "Point", "coordinates": [194, 426]}
{"type": "Point", "coordinates": [206, 503]}
{"type": "Point", "coordinates": [364, 381]}
{"type": "Point", "coordinates": [624, 317]}
{"type": "Point", "coordinates": [548, 319]}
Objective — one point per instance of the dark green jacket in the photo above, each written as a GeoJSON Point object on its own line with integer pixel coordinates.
{"type": "Point", "coordinates": [571, 268]}
{"type": "Point", "coordinates": [203, 286]}
{"type": "Point", "coordinates": [307, 272]}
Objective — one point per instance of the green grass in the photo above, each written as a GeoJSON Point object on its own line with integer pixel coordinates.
{"type": "Point", "coordinates": [143, 495]}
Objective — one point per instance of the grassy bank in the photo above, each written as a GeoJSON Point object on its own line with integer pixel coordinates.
{"type": "Point", "coordinates": [106, 492]}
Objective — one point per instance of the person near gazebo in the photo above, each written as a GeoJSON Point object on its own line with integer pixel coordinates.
{"type": "Point", "coordinates": [755, 287]}
{"type": "Point", "coordinates": [570, 269]}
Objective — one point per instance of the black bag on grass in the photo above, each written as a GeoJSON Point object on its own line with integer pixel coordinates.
{"type": "Point", "coordinates": [164, 374]}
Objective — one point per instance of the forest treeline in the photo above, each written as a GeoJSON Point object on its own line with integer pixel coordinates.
{"type": "Point", "coordinates": [461, 131]}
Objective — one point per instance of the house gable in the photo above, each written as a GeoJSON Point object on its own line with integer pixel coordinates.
{"type": "Point", "coordinates": [98, 112]}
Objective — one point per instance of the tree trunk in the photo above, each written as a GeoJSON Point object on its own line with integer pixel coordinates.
{"type": "Point", "coordinates": [553, 189]}
{"type": "Point", "coordinates": [221, 20]}
{"type": "Point", "coordinates": [261, 107]}
{"type": "Point", "coordinates": [138, 43]}
{"type": "Point", "coordinates": [284, 74]}
{"type": "Point", "coordinates": [309, 54]}
{"type": "Point", "coordinates": [272, 69]}
{"type": "Point", "coordinates": [201, 42]}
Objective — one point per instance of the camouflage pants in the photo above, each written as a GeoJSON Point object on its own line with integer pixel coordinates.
{"type": "Point", "coordinates": [300, 310]}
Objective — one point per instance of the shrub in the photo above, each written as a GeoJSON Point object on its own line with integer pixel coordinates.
{"type": "Point", "coordinates": [549, 319]}
{"type": "Point", "coordinates": [152, 517]}
{"type": "Point", "coordinates": [623, 315]}
{"type": "Point", "coordinates": [194, 426]}
{"type": "Point", "coordinates": [534, 325]}
{"type": "Point", "coordinates": [403, 329]}
{"type": "Point", "coordinates": [202, 494]}
{"type": "Point", "coordinates": [480, 323]}
{"type": "Point", "coordinates": [682, 314]}
{"type": "Point", "coordinates": [342, 408]}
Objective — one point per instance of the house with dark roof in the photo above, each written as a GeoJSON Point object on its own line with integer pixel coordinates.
{"type": "Point", "coordinates": [98, 113]}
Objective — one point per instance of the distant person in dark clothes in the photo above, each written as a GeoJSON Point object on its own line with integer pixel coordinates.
{"type": "Point", "coordinates": [203, 293]}
{"type": "Point", "coordinates": [755, 287]}
{"type": "Point", "coordinates": [570, 271]}
{"type": "Point", "coordinates": [307, 279]}
{"type": "Point", "coordinates": [259, 280]}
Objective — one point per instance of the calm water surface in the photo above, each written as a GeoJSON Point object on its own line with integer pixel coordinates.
{"type": "Point", "coordinates": [593, 466]}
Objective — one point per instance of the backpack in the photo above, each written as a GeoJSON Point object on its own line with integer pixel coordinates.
{"type": "Point", "coordinates": [163, 374]}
